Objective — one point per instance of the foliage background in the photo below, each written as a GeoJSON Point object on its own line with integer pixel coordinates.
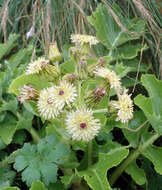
{"type": "Point", "coordinates": [57, 20]}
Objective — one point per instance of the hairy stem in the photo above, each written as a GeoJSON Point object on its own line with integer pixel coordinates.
{"type": "Point", "coordinates": [90, 146]}
{"type": "Point", "coordinates": [130, 158]}
{"type": "Point", "coordinates": [34, 135]}
{"type": "Point", "coordinates": [101, 111]}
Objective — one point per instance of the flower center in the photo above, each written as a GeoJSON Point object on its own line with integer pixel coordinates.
{"type": "Point", "coordinates": [83, 125]}
{"type": "Point", "coordinates": [43, 63]}
{"type": "Point", "coordinates": [61, 92]}
{"type": "Point", "coordinates": [49, 101]}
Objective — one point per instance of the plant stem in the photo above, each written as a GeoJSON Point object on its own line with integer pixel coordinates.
{"type": "Point", "coordinates": [79, 93]}
{"type": "Point", "coordinates": [130, 158]}
{"type": "Point", "coordinates": [136, 130]}
{"type": "Point", "coordinates": [34, 135]}
{"type": "Point", "coordinates": [101, 111]}
{"type": "Point", "coordinates": [90, 146]}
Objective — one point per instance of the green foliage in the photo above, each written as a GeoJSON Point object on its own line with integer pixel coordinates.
{"type": "Point", "coordinates": [41, 161]}
{"type": "Point", "coordinates": [38, 185]}
{"type": "Point", "coordinates": [35, 80]}
{"type": "Point", "coordinates": [137, 174]}
{"type": "Point", "coordinates": [7, 176]}
{"type": "Point", "coordinates": [7, 47]}
{"type": "Point", "coordinates": [19, 137]}
{"type": "Point", "coordinates": [96, 176]}
{"type": "Point", "coordinates": [153, 179]}
{"type": "Point", "coordinates": [10, 188]}
{"type": "Point", "coordinates": [57, 160]}
{"type": "Point", "coordinates": [154, 154]}
{"type": "Point", "coordinates": [134, 137]}
{"type": "Point", "coordinates": [152, 106]}
{"type": "Point", "coordinates": [7, 129]}
{"type": "Point", "coordinates": [109, 32]}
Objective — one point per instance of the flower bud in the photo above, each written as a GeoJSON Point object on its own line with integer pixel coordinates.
{"type": "Point", "coordinates": [70, 77]}
{"type": "Point", "coordinates": [54, 54]}
{"type": "Point", "coordinates": [94, 97]}
{"type": "Point", "coordinates": [27, 92]}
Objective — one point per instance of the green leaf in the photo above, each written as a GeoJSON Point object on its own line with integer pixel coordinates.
{"type": "Point", "coordinates": [7, 176]}
{"type": "Point", "coordinates": [31, 106]}
{"type": "Point", "coordinates": [154, 88]}
{"type": "Point", "coordinates": [37, 81]}
{"type": "Point", "coordinates": [137, 174]}
{"type": "Point", "coordinates": [7, 129]}
{"type": "Point", "coordinates": [154, 154]}
{"type": "Point", "coordinates": [25, 121]}
{"type": "Point", "coordinates": [38, 185]}
{"type": "Point", "coordinates": [19, 137]}
{"type": "Point", "coordinates": [134, 137]}
{"type": "Point", "coordinates": [8, 46]}
{"type": "Point", "coordinates": [96, 176]}
{"type": "Point", "coordinates": [134, 64]}
{"type": "Point", "coordinates": [152, 106]}
{"type": "Point", "coordinates": [109, 32]}
{"type": "Point", "coordinates": [2, 145]}
{"type": "Point", "coordinates": [10, 105]}
{"type": "Point", "coordinates": [154, 179]}
{"type": "Point", "coordinates": [10, 188]}
{"type": "Point", "coordinates": [127, 51]}
{"type": "Point", "coordinates": [68, 67]}
{"type": "Point", "coordinates": [20, 57]}
{"type": "Point", "coordinates": [56, 186]}
{"type": "Point", "coordinates": [41, 161]}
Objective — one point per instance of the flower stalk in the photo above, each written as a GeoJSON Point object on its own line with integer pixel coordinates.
{"type": "Point", "coordinates": [133, 155]}
{"type": "Point", "coordinates": [90, 148]}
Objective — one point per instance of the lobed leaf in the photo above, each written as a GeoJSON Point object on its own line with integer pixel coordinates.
{"type": "Point", "coordinates": [152, 106]}
{"type": "Point", "coordinates": [109, 32]}
{"type": "Point", "coordinates": [41, 161]}
{"type": "Point", "coordinates": [96, 176]}
{"type": "Point", "coordinates": [137, 174]}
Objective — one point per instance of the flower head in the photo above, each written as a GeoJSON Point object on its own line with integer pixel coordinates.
{"type": "Point", "coordinates": [82, 125]}
{"type": "Point", "coordinates": [113, 79]}
{"type": "Point", "coordinates": [125, 108]}
{"type": "Point", "coordinates": [36, 66]}
{"type": "Point", "coordinates": [102, 72]}
{"type": "Point", "coordinates": [46, 105]}
{"type": "Point", "coordinates": [27, 92]}
{"type": "Point", "coordinates": [84, 39]}
{"type": "Point", "coordinates": [64, 93]}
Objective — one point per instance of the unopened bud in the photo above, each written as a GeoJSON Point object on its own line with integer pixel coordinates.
{"type": "Point", "coordinates": [54, 54]}
{"type": "Point", "coordinates": [99, 92]}
{"type": "Point", "coordinates": [70, 77]}
{"type": "Point", "coordinates": [94, 97]}
{"type": "Point", "coordinates": [101, 62]}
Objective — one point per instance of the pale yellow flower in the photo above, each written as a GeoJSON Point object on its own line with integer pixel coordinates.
{"type": "Point", "coordinates": [36, 66]}
{"type": "Point", "coordinates": [102, 72]}
{"type": "Point", "coordinates": [113, 79]}
{"type": "Point", "coordinates": [84, 39]}
{"type": "Point", "coordinates": [125, 107]}
{"type": "Point", "coordinates": [82, 125]}
{"type": "Point", "coordinates": [64, 93]}
{"type": "Point", "coordinates": [46, 105]}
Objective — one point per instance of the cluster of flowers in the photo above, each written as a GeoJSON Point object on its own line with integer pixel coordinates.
{"type": "Point", "coordinates": [52, 101]}
{"type": "Point", "coordinates": [124, 105]}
